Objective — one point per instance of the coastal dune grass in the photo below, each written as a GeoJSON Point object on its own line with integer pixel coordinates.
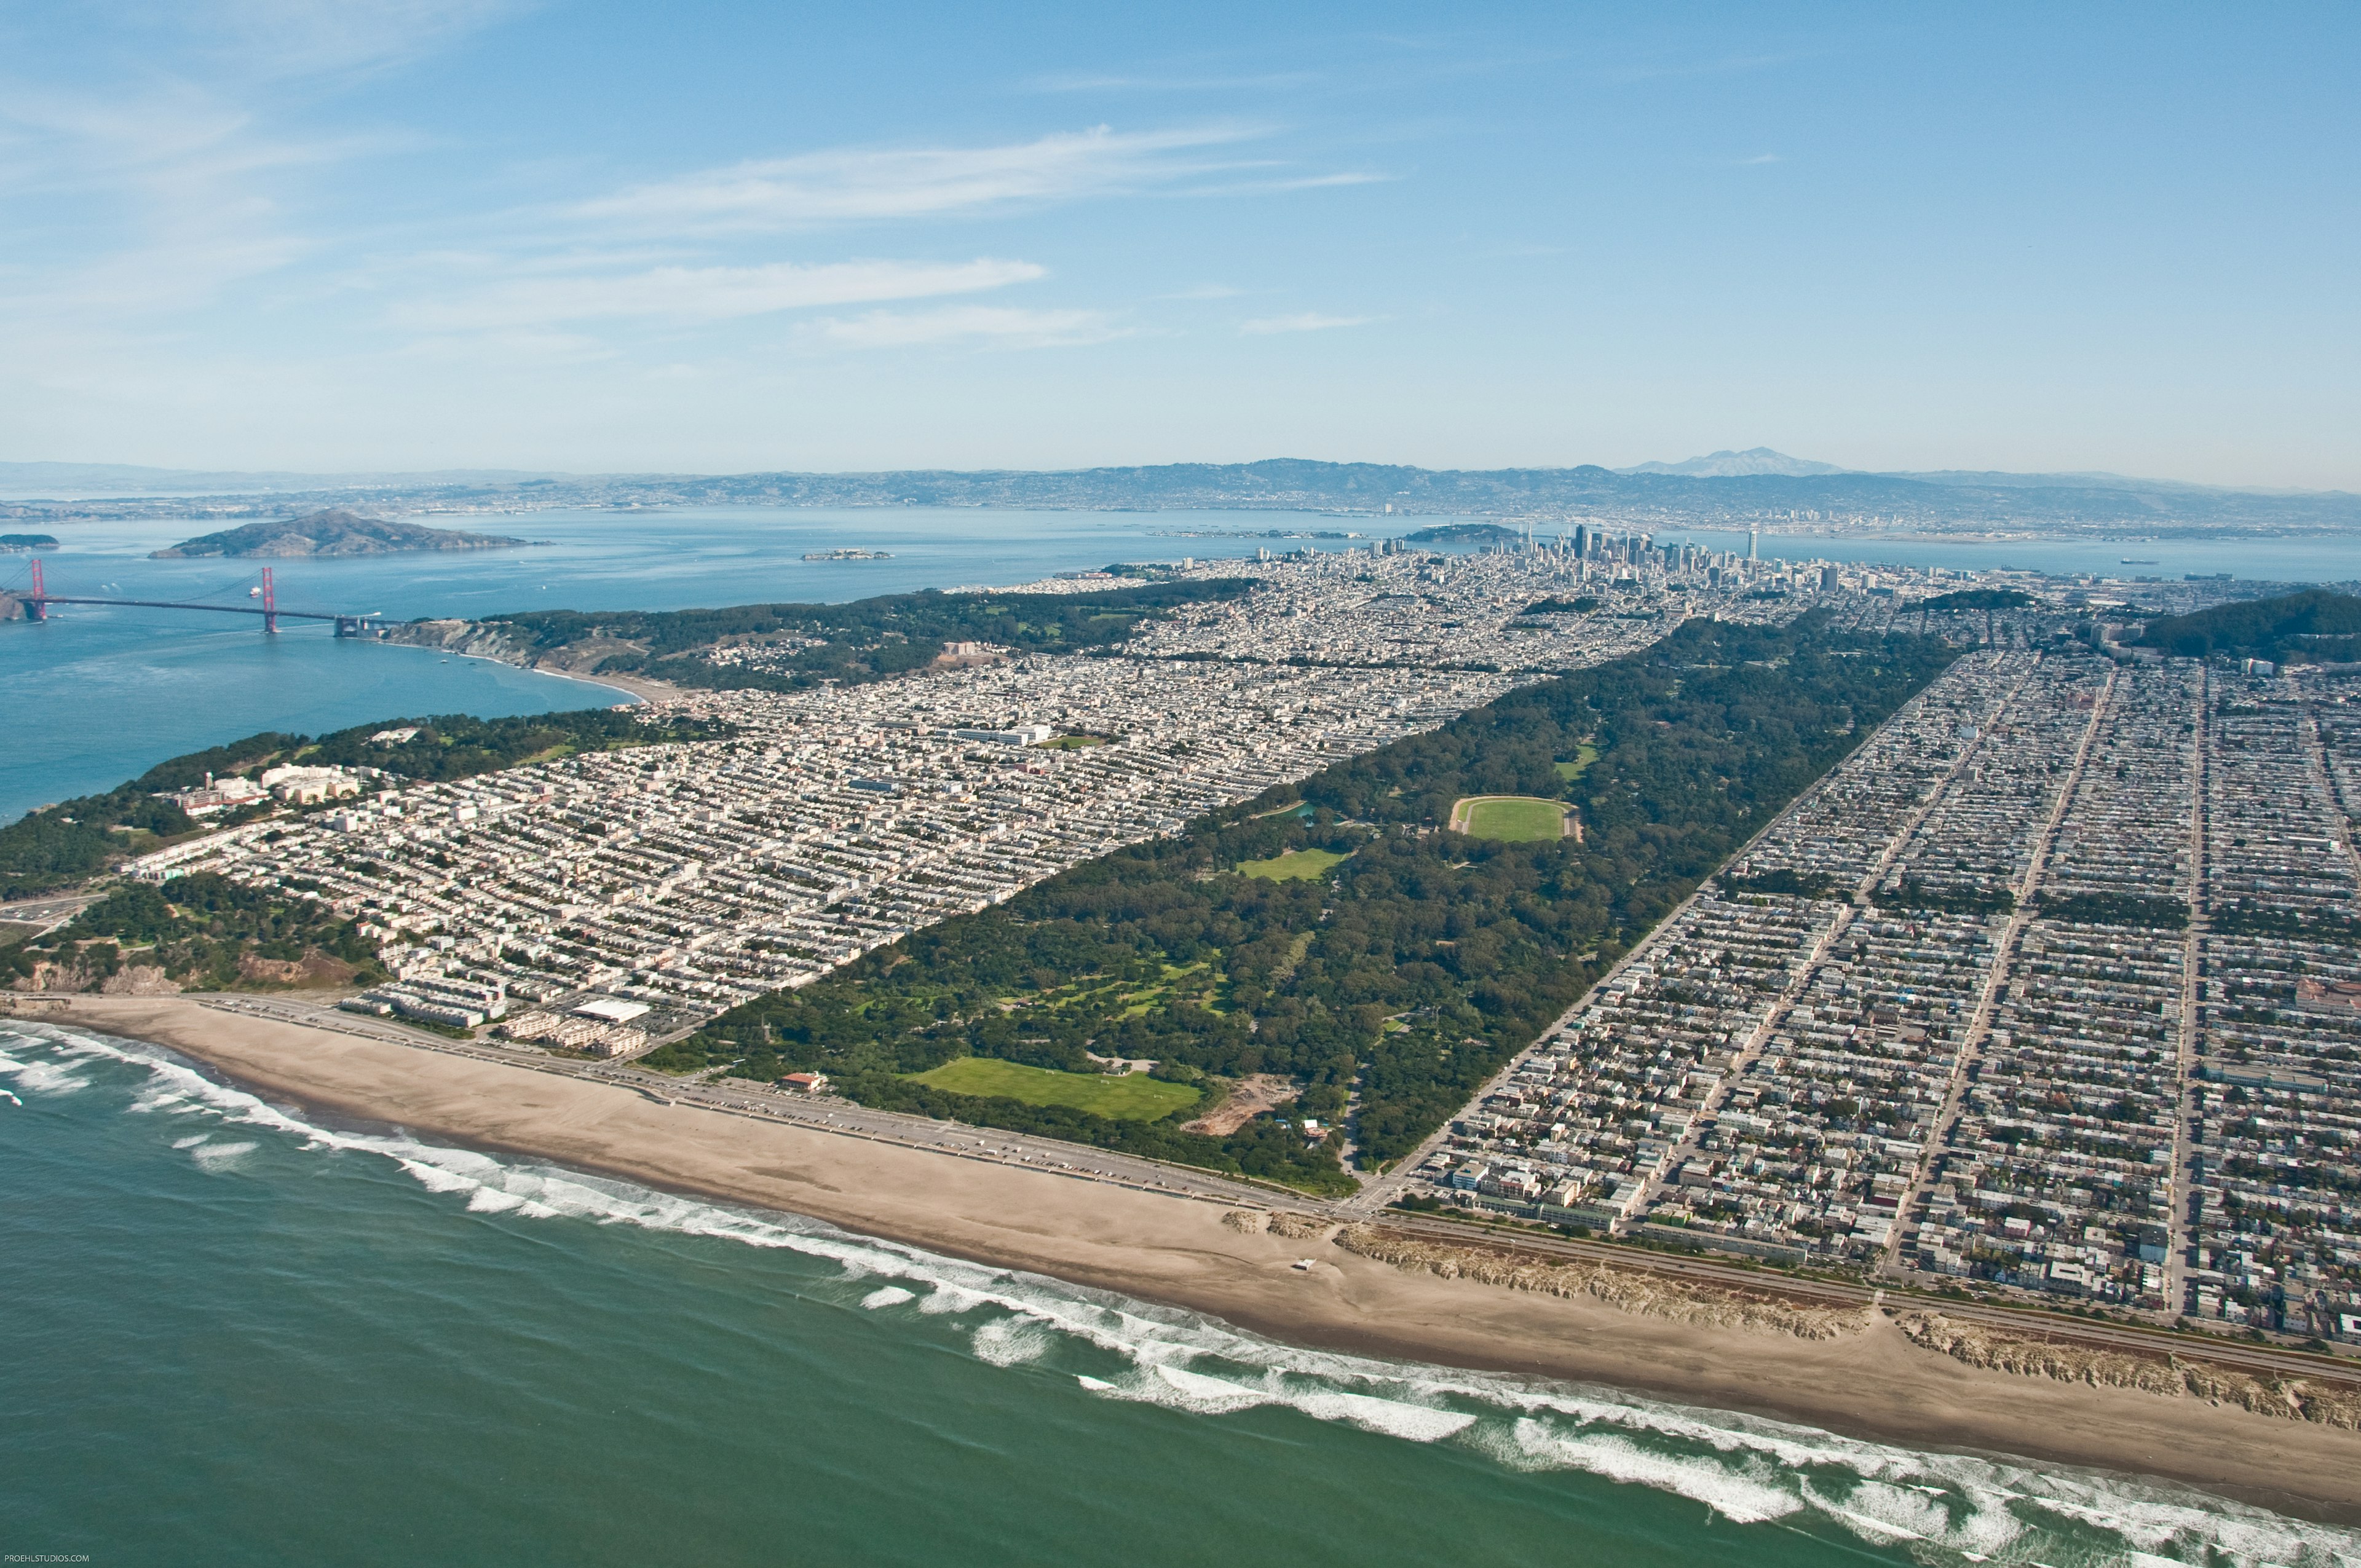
{"type": "Point", "coordinates": [1511, 818]}
{"type": "Point", "coordinates": [1133, 1098]}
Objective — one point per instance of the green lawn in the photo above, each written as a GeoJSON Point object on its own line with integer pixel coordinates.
{"type": "Point", "coordinates": [1584, 755]}
{"type": "Point", "coordinates": [1296, 865]}
{"type": "Point", "coordinates": [1515, 819]}
{"type": "Point", "coordinates": [1136, 1098]}
{"type": "Point", "coordinates": [1071, 743]}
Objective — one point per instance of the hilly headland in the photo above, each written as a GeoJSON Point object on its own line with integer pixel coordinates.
{"type": "Point", "coordinates": [332, 532]}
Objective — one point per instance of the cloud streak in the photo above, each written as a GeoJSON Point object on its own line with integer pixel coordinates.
{"type": "Point", "coordinates": [996, 325]}
{"type": "Point", "coordinates": [871, 184]}
{"type": "Point", "coordinates": [698, 294]}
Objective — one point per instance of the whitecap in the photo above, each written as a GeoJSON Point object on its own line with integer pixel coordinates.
{"type": "Point", "coordinates": [1007, 1342]}
{"type": "Point", "coordinates": [1738, 1495]}
{"type": "Point", "coordinates": [887, 1295]}
{"type": "Point", "coordinates": [219, 1154]}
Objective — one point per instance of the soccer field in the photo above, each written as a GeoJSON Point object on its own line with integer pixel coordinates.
{"type": "Point", "coordinates": [1134, 1098]}
{"type": "Point", "coordinates": [1512, 818]}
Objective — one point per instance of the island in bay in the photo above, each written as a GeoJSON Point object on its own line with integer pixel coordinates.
{"type": "Point", "coordinates": [333, 532]}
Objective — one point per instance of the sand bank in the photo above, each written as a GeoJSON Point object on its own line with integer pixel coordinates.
{"type": "Point", "coordinates": [1874, 1383]}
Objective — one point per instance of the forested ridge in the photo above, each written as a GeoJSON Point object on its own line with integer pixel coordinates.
{"type": "Point", "coordinates": [1400, 980]}
{"type": "Point", "coordinates": [867, 640]}
{"type": "Point", "coordinates": [2317, 625]}
{"type": "Point", "coordinates": [202, 930]}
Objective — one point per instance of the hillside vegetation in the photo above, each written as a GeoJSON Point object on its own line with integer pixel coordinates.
{"type": "Point", "coordinates": [335, 532]}
{"type": "Point", "coordinates": [867, 640]}
{"type": "Point", "coordinates": [2316, 626]}
{"type": "Point", "coordinates": [202, 931]}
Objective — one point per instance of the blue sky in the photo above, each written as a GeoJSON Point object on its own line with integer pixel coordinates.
{"type": "Point", "coordinates": [402, 234]}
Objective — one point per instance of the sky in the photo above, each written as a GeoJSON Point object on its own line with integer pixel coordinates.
{"type": "Point", "coordinates": [378, 235]}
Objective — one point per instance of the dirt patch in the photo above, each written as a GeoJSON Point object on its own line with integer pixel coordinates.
{"type": "Point", "coordinates": [312, 969]}
{"type": "Point", "coordinates": [1249, 1097]}
{"type": "Point", "coordinates": [138, 980]}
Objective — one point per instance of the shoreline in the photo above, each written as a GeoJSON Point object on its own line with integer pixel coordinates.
{"type": "Point", "coordinates": [1872, 1385]}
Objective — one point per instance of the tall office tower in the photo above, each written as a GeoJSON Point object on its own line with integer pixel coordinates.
{"type": "Point", "coordinates": [1829, 579]}
{"type": "Point", "coordinates": [1753, 543]}
{"type": "Point", "coordinates": [1582, 539]}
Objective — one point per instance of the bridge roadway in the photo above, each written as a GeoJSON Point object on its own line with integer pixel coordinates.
{"type": "Point", "coordinates": [826, 1114]}
{"type": "Point", "coordinates": [268, 612]}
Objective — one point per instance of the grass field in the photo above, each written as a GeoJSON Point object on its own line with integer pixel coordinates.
{"type": "Point", "coordinates": [1296, 865]}
{"type": "Point", "coordinates": [1135, 1098]}
{"type": "Point", "coordinates": [1583, 756]}
{"type": "Point", "coordinates": [1071, 743]}
{"type": "Point", "coordinates": [1512, 818]}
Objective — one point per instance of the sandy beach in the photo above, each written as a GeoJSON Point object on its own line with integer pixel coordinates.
{"type": "Point", "coordinates": [1872, 1384]}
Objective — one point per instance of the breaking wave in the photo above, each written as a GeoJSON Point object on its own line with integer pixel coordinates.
{"type": "Point", "coordinates": [1941, 1509]}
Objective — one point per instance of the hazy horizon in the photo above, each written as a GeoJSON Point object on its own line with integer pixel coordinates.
{"type": "Point", "coordinates": [400, 235]}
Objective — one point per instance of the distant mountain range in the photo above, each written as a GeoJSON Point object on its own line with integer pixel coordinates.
{"type": "Point", "coordinates": [332, 532]}
{"type": "Point", "coordinates": [78, 479]}
{"type": "Point", "coordinates": [1724, 490]}
{"type": "Point", "coordinates": [1753, 461]}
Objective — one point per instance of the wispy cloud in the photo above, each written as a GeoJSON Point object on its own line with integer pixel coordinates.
{"type": "Point", "coordinates": [693, 294]}
{"type": "Point", "coordinates": [1279, 184]}
{"type": "Point", "coordinates": [308, 38]}
{"type": "Point", "coordinates": [998, 326]}
{"type": "Point", "coordinates": [1308, 321]}
{"type": "Point", "coordinates": [858, 184]}
{"type": "Point", "coordinates": [1758, 159]}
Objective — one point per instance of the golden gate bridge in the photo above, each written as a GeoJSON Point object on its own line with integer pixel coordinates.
{"type": "Point", "coordinates": [259, 597]}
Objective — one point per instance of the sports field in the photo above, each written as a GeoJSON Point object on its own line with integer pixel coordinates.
{"type": "Point", "coordinates": [1512, 818]}
{"type": "Point", "coordinates": [1296, 865]}
{"type": "Point", "coordinates": [1584, 755]}
{"type": "Point", "coordinates": [1135, 1098]}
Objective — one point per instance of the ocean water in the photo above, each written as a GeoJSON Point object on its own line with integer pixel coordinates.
{"type": "Point", "coordinates": [239, 1334]}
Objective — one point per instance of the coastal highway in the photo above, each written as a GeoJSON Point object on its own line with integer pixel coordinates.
{"type": "Point", "coordinates": [958, 1140]}
{"type": "Point", "coordinates": [823, 1114]}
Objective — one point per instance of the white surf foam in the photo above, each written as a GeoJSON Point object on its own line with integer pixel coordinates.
{"type": "Point", "coordinates": [1745, 1468]}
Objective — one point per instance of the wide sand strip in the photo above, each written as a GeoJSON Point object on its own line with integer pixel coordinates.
{"type": "Point", "coordinates": [1874, 1383]}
